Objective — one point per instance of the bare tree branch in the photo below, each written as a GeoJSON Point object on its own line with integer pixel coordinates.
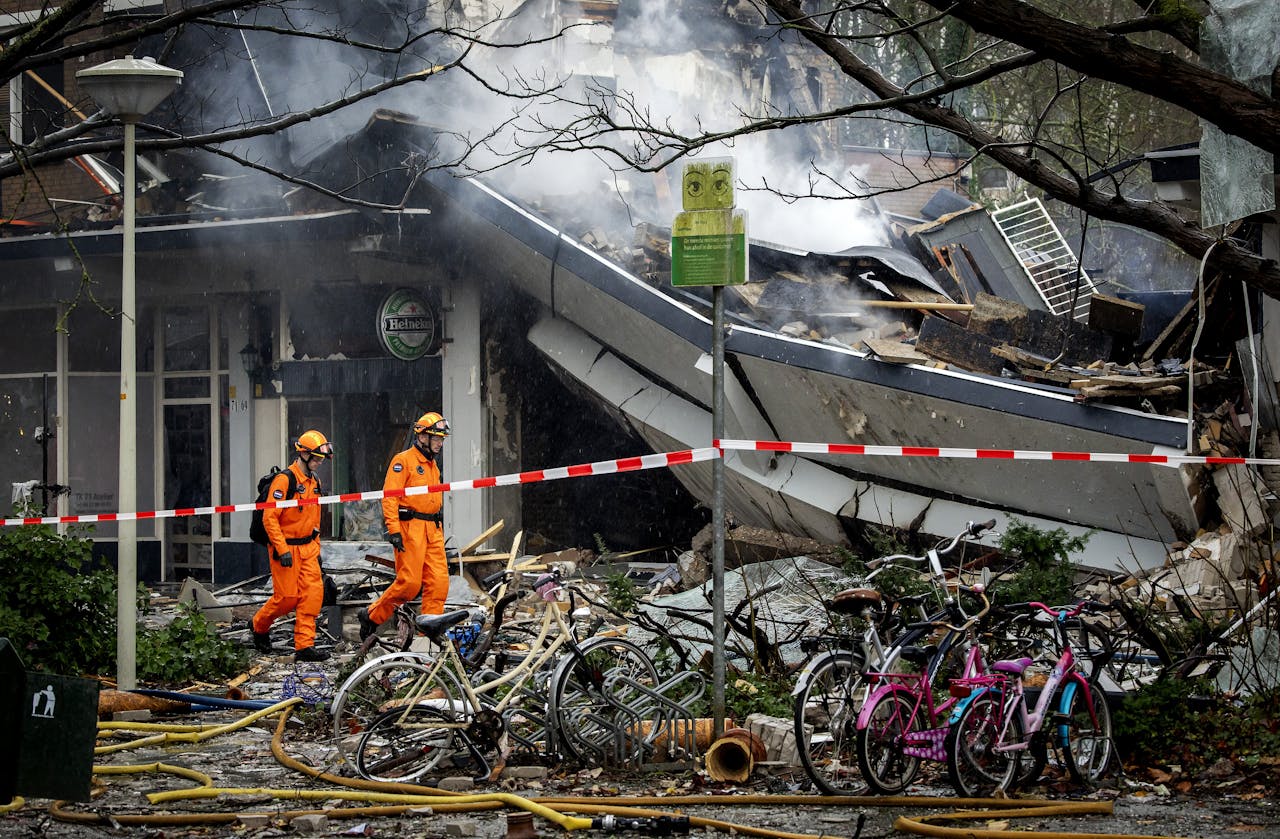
{"type": "Point", "coordinates": [1228, 255]}
{"type": "Point", "coordinates": [1232, 106]}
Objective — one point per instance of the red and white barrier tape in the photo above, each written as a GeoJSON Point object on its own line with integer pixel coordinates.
{"type": "Point", "coordinates": [985, 454]}
{"type": "Point", "coordinates": [663, 459]}
{"type": "Point", "coordinates": [581, 470]}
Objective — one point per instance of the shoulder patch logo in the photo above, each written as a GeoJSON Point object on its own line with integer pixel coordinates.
{"type": "Point", "coordinates": [397, 468]}
{"type": "Point", "coordinates": [421, 471]}
{"type": "Point", "coordinates": [278, 494]}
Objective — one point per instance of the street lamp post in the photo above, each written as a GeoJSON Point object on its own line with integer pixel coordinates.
{"type": "Point", "coordinates": [129, 88]}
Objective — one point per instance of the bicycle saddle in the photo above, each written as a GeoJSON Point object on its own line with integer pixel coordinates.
{"type": "Point", "coordinates": [919, 654]}
{"type": "Point", "coordinates": [854, 601]}
{"type": "Point", "coordinates": [433, 625]}
{"type": "Point", "coordinates": [1013, 665]}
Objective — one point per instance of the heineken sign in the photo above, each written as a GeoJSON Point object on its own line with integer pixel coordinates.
{"type": "Point", "coordinates": [407, 325]}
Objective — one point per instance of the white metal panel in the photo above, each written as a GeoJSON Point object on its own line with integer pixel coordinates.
{"type": "Point", "coordinates": [1045, 256]}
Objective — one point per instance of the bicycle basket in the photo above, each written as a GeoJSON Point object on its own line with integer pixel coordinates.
{"type": "Point", "coordinates": [465, 636]}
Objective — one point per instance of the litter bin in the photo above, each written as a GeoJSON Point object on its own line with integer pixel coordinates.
{"type": "Point", "coordinates": [48, 728]}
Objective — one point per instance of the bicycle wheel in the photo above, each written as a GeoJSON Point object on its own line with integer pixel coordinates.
{"type": "Point", "coordinates": [404, 744]}
{"type": "Point", "coordinates": [1085, 737]}
{"type": "Point", "coordinates": [598, 701]}
{"type": "Point", "coordinates": [974, 766]}
{"type": "Point", "coordinates": [885, 768]}
{"type": "Point", "coordinates": [368, 692]}
{"type": "Point", "coordinates": [828, 698]}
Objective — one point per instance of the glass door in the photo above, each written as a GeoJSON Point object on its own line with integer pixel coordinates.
{"type": "Point", "coordinates": [188, 413]}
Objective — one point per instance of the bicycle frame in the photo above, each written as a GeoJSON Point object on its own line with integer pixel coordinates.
{"type": "Point", "coordinates": [928, 742]}
{"type": "Point", "coordinates": [1008, 678]}
{"type": "Point", "coordinates": [552, 621]}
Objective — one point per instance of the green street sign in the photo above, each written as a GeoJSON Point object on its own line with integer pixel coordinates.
{"type": "Point", "coordinates": [709, 247]}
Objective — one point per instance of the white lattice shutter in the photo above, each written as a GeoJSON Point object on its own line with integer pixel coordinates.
{"type": "Point", "coordinates": [1045, 257]}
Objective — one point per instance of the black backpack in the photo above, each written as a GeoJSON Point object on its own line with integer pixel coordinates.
{"type": "Point", "coordinates": [257, 532]}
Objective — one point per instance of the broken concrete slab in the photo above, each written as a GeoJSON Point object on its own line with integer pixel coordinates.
{"type": "Point", "coordinates": [212, 609]}
{"type": "Point", "coordinates": [1242, 498]}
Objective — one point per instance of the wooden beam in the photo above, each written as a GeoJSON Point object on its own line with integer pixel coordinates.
{"type": "Point", "coordinates": [482, 538]}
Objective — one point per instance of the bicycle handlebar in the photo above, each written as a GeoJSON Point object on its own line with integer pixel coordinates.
{"type": "Point", "coordinates": [1059, 611]}
{"type": "Point", "coordinates": [971, 530]}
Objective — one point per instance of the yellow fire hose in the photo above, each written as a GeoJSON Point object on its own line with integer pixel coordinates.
{"type": "Point", "coordinates": [390, 799]}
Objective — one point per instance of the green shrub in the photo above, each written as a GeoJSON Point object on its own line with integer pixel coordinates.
{"type": "Point", "coordinates": [1045, 571]}
{"type": "Point", "coordinates": [1188, 722]}
{"type": "Point", "coordinates": [188, 649]}
{"type": "Point", "coordinates": [748, 693]}
{"type": "Point", "coordinates": [58, 614]}
{"type": "Point", "coordinates": [620, 591]}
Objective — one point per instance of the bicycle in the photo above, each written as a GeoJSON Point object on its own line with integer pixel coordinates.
{"type": "Point", "coordinates": [830, 690]}
{"type": "Point", "coordinates": [892, 737]}
{"type": "Point", "coordinates": [382, 663]}
{"type": "Point", "coordinates": [437, 709]}
{"type": "Point", "coordinates": [992, 731]}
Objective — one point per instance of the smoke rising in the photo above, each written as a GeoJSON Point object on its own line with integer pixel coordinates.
{"type": "Point", "coordinates": [685, 65]}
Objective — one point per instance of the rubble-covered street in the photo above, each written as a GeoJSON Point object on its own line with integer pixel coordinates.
{"type": "Point", "coordinates": [288, 780]}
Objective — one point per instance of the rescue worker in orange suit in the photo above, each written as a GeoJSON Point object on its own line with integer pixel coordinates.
{"type": "Point", "coordinates": [415, 527]}
{"type": "Point", "coordinates": [296, 580]}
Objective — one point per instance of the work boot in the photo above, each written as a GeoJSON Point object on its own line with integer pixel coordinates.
{"type": "Point", "coordinates": [367, 626]}
{"type": "Point", "coordinates": [262, 642]}
{"type": "Point", "coordinates": [310, 654]}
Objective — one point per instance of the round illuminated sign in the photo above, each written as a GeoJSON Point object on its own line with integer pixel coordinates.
{"type": "Point", "coordinates": [407, 325]}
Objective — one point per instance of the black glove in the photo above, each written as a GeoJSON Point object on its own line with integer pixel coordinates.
{"type": "Point", "coordinates": [285, 559]}
{"type": "Point", "coordinates": [396, 540]}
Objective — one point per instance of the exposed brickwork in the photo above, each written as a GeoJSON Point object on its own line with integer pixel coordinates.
{"type": "Point", "coordinates": [30, 197]}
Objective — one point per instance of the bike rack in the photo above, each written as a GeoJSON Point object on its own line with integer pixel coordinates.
{"type": "Point", "coordinates": [666, 709]}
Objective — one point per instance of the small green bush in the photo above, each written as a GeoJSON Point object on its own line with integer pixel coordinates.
{"type": "Point", "coordinates": [188, 648]}
{"type": "Point", "coordinates": [748, 693]}
{"type": "Point", "coordinates": [57, 612]}
{"type": "Point", "coordinates": [620, 591]}
{"type": "Point", "coordinates": [1190, 723]}
{"type": "Point", "coordinates": [1046, 572]}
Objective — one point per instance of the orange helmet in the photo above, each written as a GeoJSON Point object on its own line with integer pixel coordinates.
{"type": "Point", "coordinates": [313, 443]}
{"type": "Point", "coordinates": [433, 424]}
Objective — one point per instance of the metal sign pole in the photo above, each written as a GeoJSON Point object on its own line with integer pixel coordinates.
{"type": "Point", "coordinates": [717, 510]}
{"type": "Point", "coordinates": [709, 248]}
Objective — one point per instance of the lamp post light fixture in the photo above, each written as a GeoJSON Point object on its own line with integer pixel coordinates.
{"type": "Point", "coordinates": [129, 88]}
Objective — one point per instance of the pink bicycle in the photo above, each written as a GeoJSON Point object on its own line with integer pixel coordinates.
{"type": "Point", "coordinates": [992, 733]}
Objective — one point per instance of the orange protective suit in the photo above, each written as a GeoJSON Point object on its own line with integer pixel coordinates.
{"type": "Point", "coordinates": [422, 564]}
{"type": "Point", "coordinates": [299, 587]}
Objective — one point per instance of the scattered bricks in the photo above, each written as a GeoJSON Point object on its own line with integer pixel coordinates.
{"type": "Point", "coordinates": [254, 821]}
{"type": "Point", "coordinates": [310, 823]}
{"type": "Point", "coordinates": [461, 827]}
{"type": "Point", "coordinates": [1242, 595]}
{"type": "Point", "coordinates": [457, 783]}
{"type": "Point", "coordinates": [525, 773]}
